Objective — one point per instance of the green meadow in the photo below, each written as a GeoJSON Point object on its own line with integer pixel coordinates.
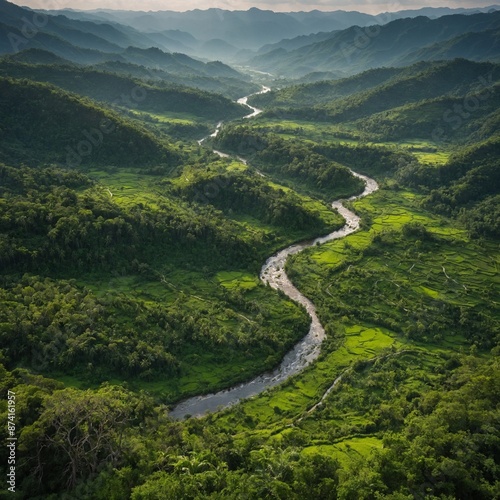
{"type": "Point", "coordinates": [384, 299]}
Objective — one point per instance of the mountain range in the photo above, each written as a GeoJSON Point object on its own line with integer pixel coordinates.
{"type": "Point", "coordinates": [255, 27]}
{"type": "Point", "coordinates": [397, 43]}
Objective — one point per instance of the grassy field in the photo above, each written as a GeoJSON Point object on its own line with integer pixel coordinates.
{"type": "Point", "coordinates": [233, 299]}
{"type": "Point", "coordinates": [388, 303]}
{"type": "Point", "coordinates": [424, 151]}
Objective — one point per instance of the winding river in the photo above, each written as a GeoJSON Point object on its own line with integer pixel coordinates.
{"type": "Point", "coordinates": [273, 272]}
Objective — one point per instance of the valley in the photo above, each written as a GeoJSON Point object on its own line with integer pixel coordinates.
{"type": "Point", "coordinates": [242, 256]}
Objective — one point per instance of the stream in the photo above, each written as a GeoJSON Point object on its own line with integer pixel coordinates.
{"type": "Point", "coordinates": [273, 272]}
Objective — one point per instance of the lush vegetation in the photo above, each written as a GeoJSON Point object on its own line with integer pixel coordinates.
{"type": "Point", "coordinates": [124, 91]}
{"type": "Point", "coordinates": [129, 263]}
{"type": "Point", "coordinates": [41, 123]}
{"type": "Point", "coordinates": [61, 227]}
{"type": "Point", "coordinates": [285, 160]}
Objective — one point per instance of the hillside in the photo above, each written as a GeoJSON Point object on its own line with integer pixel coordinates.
{"type": "Point", "coordinates": [355, 49]}
{"type": "Point", "coordinates": [324, 91]}
{"type": "Point", "coordinates": [128, 92]}
{"type": "Point", "coordinates": [482, 46]}
{"type": "Point", "coordinates": [397, 88]}
{"type": "Point", "coordinates": [431, 118]}
{"type": "Point", "coordinates": [43, 124]}
{"type": "Point", "coordinates": [36, 56]}
{"type": "Point", "coordinates": [230, 87]}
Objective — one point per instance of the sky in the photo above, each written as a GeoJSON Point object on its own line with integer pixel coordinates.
{"type": "Point", "coordinates": [369, 6]}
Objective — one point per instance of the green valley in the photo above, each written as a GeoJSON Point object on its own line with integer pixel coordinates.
{"type": "Point", "coordinates": [184, 314]}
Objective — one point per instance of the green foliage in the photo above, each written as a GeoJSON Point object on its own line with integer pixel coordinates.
{"type": "Point", "coordinates": [466, 186]}
{"type": "Point", "coordinates": [483, 219]}
{"type": "Point", "coordinates": [122, 90]}
{"type": "Point", "coordinates": [236, 193]}
{"type": "Point", "coordinates": [290, 160]}
{"type": "Point", "coordinates": [42, 124]}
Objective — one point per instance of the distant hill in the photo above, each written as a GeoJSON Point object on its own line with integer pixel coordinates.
{"type": "Point", "coordinates": [85, 32]}
{"type": "Point", "coordinates": [233, 88]}
{"type": "Point", "coordinates": [36, 56]}
{"type": "Point", "coordinates": [318, 76]}
{"type": "Point", "coordinates": [482, 46]}
{"type": "Point", "coordinates": [296, 43]}
{"type": "Point", "coordinates": [12, 41]}
{"type": "Point", "coordinates": [43, 124]}
{"type": "Point", "coordinates": [128, 92]}
{"type": "Point", "coordinates": [356, 49]}
{"type": "Point", "coordinates": [243, 29]}
{"type": "Point", "coordinates": [425, 100]}
{"type": "Point", "coordinates": [177, 63]}
{"type": "Point", "coordinates": [86, 42]}
{"type": "Point", "coordinates": [253, 28]}
{"type": "Point", "coordinates": [326, 91]}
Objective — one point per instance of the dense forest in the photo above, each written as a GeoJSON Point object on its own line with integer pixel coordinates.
{"type": "Point", "coordinates": [287, 160]}
{"type": "Point", "coordinates": [157, 96]}
{"type": "Point", "coordinates": [131, 253]}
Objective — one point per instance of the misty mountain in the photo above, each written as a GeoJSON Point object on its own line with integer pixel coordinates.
{"type": "Point", "coordinates": [36, 56]}
{"type": "Point", "coordinates": [290, 44]}
{"type": "Point", "coordinates": [356, 49]}
{"type": "Point", "coordinates": [243, 29]}
{"type": "Point", "coordinates": [253, 28]}
{"type": "Point", "coordinates": [85, 42]}
{"type": "Point", "coordinates": [482, 46]}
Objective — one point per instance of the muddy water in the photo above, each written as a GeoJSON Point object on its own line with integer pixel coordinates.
{"type": "Point", "coordinates": [305, 351]}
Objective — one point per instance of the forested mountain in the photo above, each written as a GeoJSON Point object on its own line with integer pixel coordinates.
{"type": "Point", "coordinates": [381, 90]}
{"type": "Point", "coordinates": [482, 46]}
{"type": "Point", "coordinates": [127, 92]}
{"type": "Point", "coordinates": [227, 86]}
{"type": "Point", "coordinates": [43, 124]}
{"type": "Point", "coordinates": [356, 49]}
{"type": "Point", "coordinates": [37, 56]}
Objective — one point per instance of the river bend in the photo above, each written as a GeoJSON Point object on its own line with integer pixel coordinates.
{"type": "Point", "coordinates": [273, 272]}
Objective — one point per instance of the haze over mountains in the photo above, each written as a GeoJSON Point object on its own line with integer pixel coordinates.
{"type": "Point", "coordinates": [285, 44]}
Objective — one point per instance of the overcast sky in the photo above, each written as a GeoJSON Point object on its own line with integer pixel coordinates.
{"type": "Point", "coordinates": [371, 6]}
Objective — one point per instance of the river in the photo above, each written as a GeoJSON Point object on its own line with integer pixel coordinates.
{"type": "Point", "coordinates": [273, 272]}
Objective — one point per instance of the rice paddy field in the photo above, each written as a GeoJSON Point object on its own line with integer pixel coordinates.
{"type": "Point", "coordinates": [397, 304]}
{"type": "Point", "coordinates": [397, 308]}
